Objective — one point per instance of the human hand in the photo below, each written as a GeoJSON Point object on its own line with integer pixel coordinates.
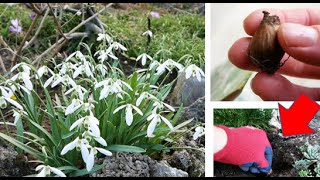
{"type": "Point", "coordinates": [299, 36]}
{"type": "Point", "coordinates": [247, 147]}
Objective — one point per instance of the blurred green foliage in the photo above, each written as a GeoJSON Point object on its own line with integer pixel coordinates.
{"type": "Point", "coordinates": [243, 117]}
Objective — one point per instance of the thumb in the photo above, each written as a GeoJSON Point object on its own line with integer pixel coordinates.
{"type": "Point", "coordinates": [301, 42]}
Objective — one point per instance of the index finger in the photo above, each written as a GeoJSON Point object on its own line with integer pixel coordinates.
{"type": "Point", "coordinates": [306, 16]}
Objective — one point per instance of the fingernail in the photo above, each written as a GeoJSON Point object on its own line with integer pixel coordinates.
{"type": "Point", "coordinates": [296, 35]}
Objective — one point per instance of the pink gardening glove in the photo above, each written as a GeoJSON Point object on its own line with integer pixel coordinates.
{"type": "Point", "coordinates": [247, 147]}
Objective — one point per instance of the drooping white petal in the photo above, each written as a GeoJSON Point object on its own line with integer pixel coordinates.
{"type": "Point", "coordinates": [39, 167]}
{"type": "Point", "coordinates": [129, 116]}
{"type": "Point", "coordinates": [151, 116]}
{"type": "Point", "coordinates": [70, 146]}
{"type": "Point", "coordinates": [69, 57]}
{"type": "Point", "coordinates": [27, 82]}
{"type": "Point", "coordinates": [15, 67]}
{"type": "Point", "coordinates": [144, 60]}
{"type": "Point", "coordinates": [137, 109]}
{"type": "Point", "coordinates": [3, 103]}
{"type": "Point", "coordinates": [78, 71]}
{"type": "Point", "coordinates": [42, 173]}
{"type": "Point", "coordinates": [48, 82]}
{"type": "Point", "coordinates": [101, 141]}
{"type": "Point", "coordinates": [15, 103]}
{"type": "Point", "coordinates": [90, 160]}
{"type": "Point", "coordinates": [84, 151]}
{"type": "Point", "coordinates": [16, 116]}
{"type": "Point", "coordinates": [151, 127]}
{"type": "Point", "coordinates": [57, 81]}
{"type": "Point", "coordinates": [103, 151]}
{"type": "Point", "coordinates": [94, 128]}
{"type": "Point", "coordinates": [57, 172]}
{"type": "Point", "coordinates": [76, 123]}
{"type": "Point", "coordinates": [25, 89]}
{"type": "Point", "coordinates": [167, 122]}
{"type": "Point", "coordinates": [141, 97]}
{"type": "Point", "coordinates": [41, 71]}
{"type": "Point", "coordinates": [119, 108]}
{"type": "Point", "coordinates": [169, 107]}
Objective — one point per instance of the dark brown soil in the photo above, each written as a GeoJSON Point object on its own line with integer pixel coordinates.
{"type": "Point", "coordinates": [285, 154]}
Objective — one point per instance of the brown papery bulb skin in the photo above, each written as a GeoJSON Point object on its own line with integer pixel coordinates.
{"type": "Point", "coordinates": [265, 50]}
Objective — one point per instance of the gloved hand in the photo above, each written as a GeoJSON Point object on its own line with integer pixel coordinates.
{"type": "Point", "coordinates": [247, 147]}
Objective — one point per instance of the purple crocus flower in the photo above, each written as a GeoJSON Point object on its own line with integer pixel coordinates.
{"type": "Point", "coordinates": [32, 16]}
{"type": "Point", "coordinates": [155, 14]}
{"type": "Point", "coordinates": [15, 27]}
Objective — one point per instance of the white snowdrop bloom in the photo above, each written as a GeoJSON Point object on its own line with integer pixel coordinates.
{"type": "Point", "coordinates": [144, 58]}
{"type": "Point", "coordinates": [25, 78]}
{"type": "Point", "coordinates": [54, 77]}
{"type": "Point", "coordinates": [102, 69]}
{"type": "Point", "coordinates": [194, 71]}
{"type": "Point", "coordinates": [116, 46]}
{"type": "Point", "coordinates": [78, 56]}
{"type": "Point", "coordinates": [79, 89]}
{"type": "Point", "coordinates": [17, 115]}
{"type": "Point", "coordinates": [199, 131]}
{"type": "Point", "coordinates": [154, 64]}
{"type": "Point", "coordinates": [75, 105]}
{"type": "Point", "coordinates": [129, 115]}
{"type": "Point", "coordinates": [78, 13]}
{"type": "Point", "coordinates": [8, 96]}
{"type": "Point", "coordinates": [104, 55]}
{"type": "Point", "coordinates": [86, 68]}
{"type": "Point", "coordinates": [104, 37]}
{"type": "Point", "coordinates": [44, 70]}
{"type": "Point", "coordinates": [106, 82]}
{"type": "Point", "coordinates": [145, 95]}
{"type": "Point", "coordinates": [46, 170]}
{"type": "Point", "coordinates": [65, 80]}
{"type": "Point", "coordinates": [90, 122]}
{"type": "Point", "coordinates": [24, 67]}
{"type": "Point", "coordinates": [66, 67]}
{"type": "Point", "coordinates": [169, 65]}
{"type": "Point", "coordinates": [156, 118]}
{"type": "Point", "coordinates": [70, 146]}
{"type": "Point", "coordinates": [159, 105]}
{"type": "Point", "coordinates": [148, 33]}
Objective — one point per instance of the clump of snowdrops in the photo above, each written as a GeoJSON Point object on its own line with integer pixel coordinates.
{"type": "Point", "coordinates": [91, 108]}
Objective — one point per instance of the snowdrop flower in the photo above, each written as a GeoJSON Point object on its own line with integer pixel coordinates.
{"type": "Point", "coordinates": [93, 152]}
{"type": "Point", "coordinates": [194, 71]}
{"type": "Point", "coordinates": [129, 116]}
{"type": "Point", "coordinates": [24, 68]}
{"type": "Point", "coordinates": [90, 122]}
{"type": "Point", "coordinates": [15, 26]}
{"type": "Point", "coordinates": [79, 89]}
{"type": "Point", "coordinates": [104, 37]}
{"type": "Point", "coordinates": [75, 105]}
{"type": "Point", "coordinates": [143, 58]}
{"type": "Point", "coordinates": [199, 131]}
{"type": "Point", "coordinates": [54, 77]}
{"type": "Point", "coordinates": [85, 67]}
{"type": "Point", "coordinates": [156, 118]}
{"type": "Point", "coordinates": [46, 170]}
{"type": "Point", "coordinates": [8, 96]}
{"type": "Point", "coordinates": [17, 115]}
{"type": "Point", "coordinates": [44, 70]}
{"type": "Point", "coordinates": [65, 80]}
{"type": "Point", "coordinates": [116, 46]}
{"type": "Point", "coordinates": [78, 55]}
{"type": "Point", "coordinates": [25, 77]}
{"type": "Point", "coordinates": [104, 55]}
{"type": "Point", "coordinates": [147, 33]}
{"type": "Point", "coordinates": [78, 13]}
{"type": "Point", "coordinates": [111, 87]}
{"type": "Point", "coordinates": [159, 105]}
{"type": "Point", "coordinates": [169, 65]}
{"type": "Point", "coordinates": [145, 95]}
{"type": "Point", "coordinates": [66, 67]}
{"type": "Point", "coordinates": [79, 144]}
{"type": "Point", "coordinates": [102, 68]}
{"type": "Point", "coordinates": [154, 64]}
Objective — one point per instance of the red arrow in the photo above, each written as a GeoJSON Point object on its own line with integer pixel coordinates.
{"type": "Point", "coordinates": [295, 120]}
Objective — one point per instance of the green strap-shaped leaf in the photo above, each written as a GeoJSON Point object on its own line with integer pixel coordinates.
{"type": "Point", "coordinates": [125, 148]}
